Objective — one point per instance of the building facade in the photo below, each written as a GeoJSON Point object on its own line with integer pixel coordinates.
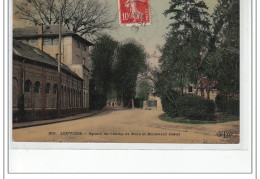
{"type": "Point", "coordinates": [35, 80]}
{"type": "Point", "coordinates": [74, 50]}
{"type": "Point", "coordinates": [206, 89]}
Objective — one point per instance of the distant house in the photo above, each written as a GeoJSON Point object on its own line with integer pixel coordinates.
{"type": "Point", "coordinates": [205, 89]}
{"type": "Point", "coordinates": [75, 49]}
{"type": "Point", "coordinates": [152, 102]}
{"type": "Point", "coordinates": [35, 85]}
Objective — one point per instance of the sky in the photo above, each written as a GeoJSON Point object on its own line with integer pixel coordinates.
{"type": "Point", "coordinates": [150, 36]}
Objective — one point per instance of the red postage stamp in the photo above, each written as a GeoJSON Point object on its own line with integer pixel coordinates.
{"type": "Point", "coordinates": [134, 12]}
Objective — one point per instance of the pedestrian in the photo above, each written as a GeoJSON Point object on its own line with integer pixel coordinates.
{"type": "Point", "coordinates": [113, 104]}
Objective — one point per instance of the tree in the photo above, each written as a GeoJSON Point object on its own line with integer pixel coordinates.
{"type": "Point", "coordinates": [189, 16]}
{"type": "Point", "coordinates": [174, 62]}
{"type": "Point", "coordinates": [130, 62]}
{"type": "Point", "coordinates": [84, 17]}
{"type": "Point", "coordinates": [144, 90]}
{"type": "Point", "coordinates": [182, 53]}
{"type": "Point", "coordinates": [102, 58]}
{"type": "Point", "coordinates": [222, 61]}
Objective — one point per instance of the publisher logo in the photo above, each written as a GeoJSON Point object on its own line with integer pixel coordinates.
{"type": "Point", "coordinates": [224, 134]}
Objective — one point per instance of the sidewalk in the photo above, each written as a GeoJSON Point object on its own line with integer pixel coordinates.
{"type": "Point", "coordinates": [52, 121]}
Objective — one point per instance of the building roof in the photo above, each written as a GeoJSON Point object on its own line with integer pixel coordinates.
{"type": "Point", "coordinates": [47, 31]}
{"type": "Point", "coordinates": [34, 54]}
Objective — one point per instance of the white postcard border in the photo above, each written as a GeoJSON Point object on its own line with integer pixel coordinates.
{"type": "Point", "coordinates": [101, 161]}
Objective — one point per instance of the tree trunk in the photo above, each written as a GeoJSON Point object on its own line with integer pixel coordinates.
{"type": "Point", "coordinates": [202, 92]}
{"type": "Point", "coordinates": [181, 90]}
{"type": "Point", "coordinates": [208, 91]}
{"type": "Point", "coordinates": [197, 89]}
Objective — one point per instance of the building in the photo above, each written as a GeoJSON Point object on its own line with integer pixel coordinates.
{"type": "Point", "coordinates": [35, 80]}
{"type": "Point", "coordinates": [205, 89]}
{"type": "Point", "coordinates": [152, 103]}
{"type": "Point", "coordinates": [75, 49]}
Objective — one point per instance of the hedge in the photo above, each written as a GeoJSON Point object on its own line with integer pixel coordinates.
{"type": "Point", "coordinates": [227, 104]}
{"type": "Point", "coordinates": [96, 100]}
{"type": "Point", "coordinates": [195, 107]}
{"type": "Point", "coordinates": [138, 103]}
{"type": "Point", "coordinates": [188, 106]}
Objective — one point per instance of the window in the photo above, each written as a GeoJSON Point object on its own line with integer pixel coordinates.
{"type": "Point", "coordinates": [47, 41]}
{"type": "Point", "coordinates": [37, 87]}
{"type": "Point", "coordinates": [72, 98]}
{"type": "Point", "coordinates": [50, 41]}
{"type": "Point", "coordinates": [27, 86]}
{"type": "Point", "coordinates": [15, 93]}
{"type": "Point", "coordinates": [68, 90]}
{"type": "Point", "coordinates": [55, 41]}
{"type": "Point", "coordinates": [190, 89]}
{"type": "Point", "coordinates": [15, 83]}
{"type": "Point", "coordinates": [47, 88]}
{"type": "Point", "coordinates": [84, 98]}
{"type": "Point", "coordinates": [55, 89]}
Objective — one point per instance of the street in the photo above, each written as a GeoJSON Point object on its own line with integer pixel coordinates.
{"type": "Point", "coordinates": [129, 126]}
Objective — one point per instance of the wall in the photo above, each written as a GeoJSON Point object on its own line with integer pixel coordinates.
{"type": "Point", "coordinates": [53, 49]}
{"type": "Point", "coordinates": [78, 52]}
{"type": "Point", "coordinates": [73, 52]}
{"type": "Point", "coordinates": [86, 88]}
{"type": "Point", "coordinates": [153, 98]}
{"type": "Point", "coordinates": [212, 95]}
{"type": "Point", "coordinates": [45, 99]}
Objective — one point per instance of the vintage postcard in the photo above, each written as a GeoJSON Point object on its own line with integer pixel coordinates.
{"type": "Point", "coordinates": [126, 71]}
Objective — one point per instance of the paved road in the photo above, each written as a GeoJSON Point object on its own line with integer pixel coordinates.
{"type": "Point", "coordinates": [128, 126]}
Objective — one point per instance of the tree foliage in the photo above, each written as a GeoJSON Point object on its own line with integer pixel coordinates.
{"type": "Point", "coordinates": [174, 62]}
{"type": "Point", "coordinates": [222, 61]}
{"type": "Point", "coordinates": [187, 106]}
{"type": "Point", "coordinates": [181, 58]}
{"type": "Point", "coordinates": [192, 38]}
{"type": "Point", "coordinates": [193, 50]}
{"type": "Point", "coordinates": [131, 60]}
{"type": "Point", "coordinates": [115, 67]}
{"type": "Point", "coordinates": [144, 90]}
{"type": "Point", "coordinates": [188, 17]}
{"type": "Point", "coordinates": [102, 57]}
{"type": "Point", "coordinates": [84, 17]}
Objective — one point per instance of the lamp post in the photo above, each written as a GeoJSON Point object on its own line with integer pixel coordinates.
{"type": "Point", "coordinates": [59, 69]}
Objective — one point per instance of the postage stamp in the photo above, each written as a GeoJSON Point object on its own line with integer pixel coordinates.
{"type": "Point", "coordinates": [134, 12]}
